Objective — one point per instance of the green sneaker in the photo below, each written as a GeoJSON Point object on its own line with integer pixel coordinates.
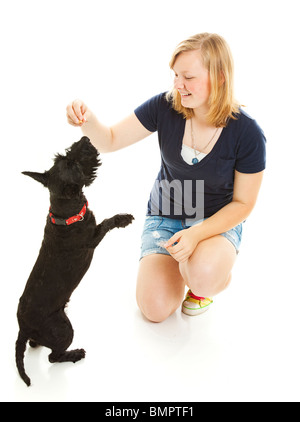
{"type": "Point", "coordinates": [194, 305]}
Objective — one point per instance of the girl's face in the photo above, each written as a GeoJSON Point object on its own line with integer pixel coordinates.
{"type": "Point", "coordinates": [192, 80]}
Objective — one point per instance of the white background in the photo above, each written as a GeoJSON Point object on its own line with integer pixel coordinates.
{"type": "Point", "coordinates": [114, 55]}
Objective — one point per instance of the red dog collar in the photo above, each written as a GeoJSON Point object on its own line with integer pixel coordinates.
{"type": "Point", "coordinates": [71, 220]}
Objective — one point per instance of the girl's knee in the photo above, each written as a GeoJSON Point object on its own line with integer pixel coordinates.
{"type": "Point", "coordinates": [158, 306]}
{"type": "Point", "coordinates": [207, 282]}
{"type": "Point", "coordinates": [155, 309]}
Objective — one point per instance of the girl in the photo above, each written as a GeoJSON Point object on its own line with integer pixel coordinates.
{"type": "Point", "coordinates": [212, 163]}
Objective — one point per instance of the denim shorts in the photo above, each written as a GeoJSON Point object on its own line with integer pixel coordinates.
{"type": "Point", "coordinates": [158, 230]}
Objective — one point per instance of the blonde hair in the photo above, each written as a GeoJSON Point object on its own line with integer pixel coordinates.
{"type": "Point", "coordinates": [217, 59]}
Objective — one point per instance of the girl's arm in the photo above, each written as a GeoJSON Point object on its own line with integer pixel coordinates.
{"type": "Point", "coordinates": [104, 138]}
{"type": "Point", "coordinates": [245, 192]}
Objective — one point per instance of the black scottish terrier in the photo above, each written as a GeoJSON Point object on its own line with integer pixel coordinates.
{"type": "Point", "coordinates": [70, 238]}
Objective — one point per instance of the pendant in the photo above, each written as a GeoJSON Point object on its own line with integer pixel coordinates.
{"type": "Point", "coordinates": [195, 160]}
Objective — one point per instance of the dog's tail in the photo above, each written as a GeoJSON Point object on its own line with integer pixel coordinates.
{"type": "Point", "coordinates": [20, 350]}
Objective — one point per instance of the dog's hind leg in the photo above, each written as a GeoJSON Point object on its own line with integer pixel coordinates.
{"type": "Point", "coordinates": [60, 337]}
{"type": "Point", "coordinates": [67, 356]}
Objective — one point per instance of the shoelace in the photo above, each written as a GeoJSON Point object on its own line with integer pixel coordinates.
{"type": "Point", "coordinates": [190, 294]}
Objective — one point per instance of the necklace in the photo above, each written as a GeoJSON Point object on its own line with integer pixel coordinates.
{"type": "Point", "coordinates": [195, 159]}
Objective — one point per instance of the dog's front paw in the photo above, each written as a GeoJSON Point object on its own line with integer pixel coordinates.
{"type": "Point", "coordinates": [122, 220]}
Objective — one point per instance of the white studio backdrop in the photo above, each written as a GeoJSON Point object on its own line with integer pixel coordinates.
{"type": "Point", "coordinates": [114, 55]}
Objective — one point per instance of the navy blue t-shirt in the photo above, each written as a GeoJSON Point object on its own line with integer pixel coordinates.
{"type": "Point", "coordinates": [185, 191]}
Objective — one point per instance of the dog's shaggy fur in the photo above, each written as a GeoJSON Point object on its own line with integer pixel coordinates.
{"type": "Point", "coordinates": [65, 256]}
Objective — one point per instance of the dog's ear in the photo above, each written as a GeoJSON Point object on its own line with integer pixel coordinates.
{"type": "Point", "coordinates": [39, 177]}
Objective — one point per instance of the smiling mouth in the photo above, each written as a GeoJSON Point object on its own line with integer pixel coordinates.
{"type": "Point", "coordinates": [185, 95]}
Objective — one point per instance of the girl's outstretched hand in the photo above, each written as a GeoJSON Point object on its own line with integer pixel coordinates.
{"type": "Point", "coordinates": [77, 113]}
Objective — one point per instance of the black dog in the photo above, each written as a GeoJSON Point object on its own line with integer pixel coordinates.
{"type": "Point", "coordinates": [70, 238]}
